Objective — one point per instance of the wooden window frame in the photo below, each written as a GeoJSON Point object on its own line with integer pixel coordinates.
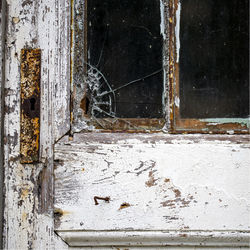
{"type": "Point", "coordinates": [178, 124]}
{"type": "Point", "coordinates": [171, 121]}
{"type": "Point", "coordinates": [79, 101]}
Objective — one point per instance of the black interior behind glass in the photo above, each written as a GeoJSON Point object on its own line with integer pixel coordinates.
{"type": "Point", "coordinates": [214, 58]}
{"type": "Point", "coordinates": [125, 46]}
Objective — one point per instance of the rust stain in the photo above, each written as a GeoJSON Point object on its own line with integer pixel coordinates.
{"type": "Point", "coordinates": [183, 235]}
{"type": "Point", "coordinates": [84, 105]}
{"type": "Point", "coordinates": [152, 181]}
{"type": "Point", "coordinates": [177, 193]}
{"type": "Point", "coordinates": [171, 59]}
{"type": "Point", "coordinates": [58, 212]}
{"type": "Point", "coordinates": [178, 201]}
{"type": "Point", "coordinates": [106, 199]}
{"type": "Point", "coordinates": [124, 205]}
{"type": "Point", "coordinates": [30, 105]}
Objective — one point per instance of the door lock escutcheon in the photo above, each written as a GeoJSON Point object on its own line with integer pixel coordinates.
{"type": "Point", "coordinates": [30, 105]}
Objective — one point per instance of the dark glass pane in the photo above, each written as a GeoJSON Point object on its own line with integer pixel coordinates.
{"type": "Point", "coordinates": [214, 58]}
{"type": "Point", "coordinates": [125, 46]}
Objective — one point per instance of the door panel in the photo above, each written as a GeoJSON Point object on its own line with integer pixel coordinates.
{"type": "Point", "coordinates": [156, 183]}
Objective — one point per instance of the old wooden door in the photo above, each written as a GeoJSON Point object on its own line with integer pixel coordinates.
{"type": "Point", "coordinates": [117, 182]}
{"type": "Point", "coordinates": [92, 189]}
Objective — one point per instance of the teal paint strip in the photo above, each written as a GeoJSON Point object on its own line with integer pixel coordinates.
{"type": "Point", "coordinates": [215, 121]}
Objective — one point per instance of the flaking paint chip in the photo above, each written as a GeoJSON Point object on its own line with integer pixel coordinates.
{"type": "Point", "coordinates": [15, 20]}
{"type": "Point", "coordinates": [124, 205]}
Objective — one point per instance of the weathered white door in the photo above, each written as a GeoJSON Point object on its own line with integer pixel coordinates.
{"type": "Point", "coordinates": [110, 190]}
{"type": "Point", "coordinates": [141, 189]}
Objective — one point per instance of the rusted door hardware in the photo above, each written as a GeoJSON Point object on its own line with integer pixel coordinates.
{"type": "Point", "coordinates": [107, 199]}
{"type": "Point", "coordinates": [30, 105]}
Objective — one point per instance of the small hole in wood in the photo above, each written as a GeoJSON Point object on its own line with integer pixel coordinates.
{"type": "Point", "coordinates": [85, 104]}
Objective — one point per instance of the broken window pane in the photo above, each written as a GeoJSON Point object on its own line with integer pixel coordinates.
{"type": "Point", "coordinates": [214, 58]}
{"type": "Point", "coordinates": [124, 59]}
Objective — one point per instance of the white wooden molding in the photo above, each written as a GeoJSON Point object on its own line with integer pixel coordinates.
{"type": "Point", "coordinates": [156, 238]}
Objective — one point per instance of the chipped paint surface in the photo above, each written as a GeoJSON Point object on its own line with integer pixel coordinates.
{"type": "Point", "coordinates": [28, 215]}
{"type": "Point", "coordinates": [171, 182]}
{"type": "Point", "coordinates": [153, 181]}
{"type": "Point", "coordinates": [216, 121]}
{"type": "Point", "coordinates": [177, 31]}
{"type": "Point", "coordinates": [163, 22]}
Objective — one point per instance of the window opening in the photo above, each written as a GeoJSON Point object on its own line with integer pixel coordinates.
{"type": "Point", "coordinates": [124, 58]}
{"type": "Point", "coordinates": [210, 54]}
{"type": "Point", "coordinates": [153, 65]}
{"type": "Point", "coordinates": [119, 67]}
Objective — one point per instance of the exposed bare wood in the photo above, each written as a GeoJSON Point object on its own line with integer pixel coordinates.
{"type": "Point", "coordinates": [148, 183]}
{"type": "Point", "coordinates": [133, 138]}
{"type": "Point", "coordinates": [29, 188]}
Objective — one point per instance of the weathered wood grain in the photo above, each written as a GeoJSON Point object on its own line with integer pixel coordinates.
{"type": "Point", "coordinates": [29, 188]}
{"type": "Point", "coordinates": [183, 176]}
{"type": "Point", "coordinates": [190, 183]}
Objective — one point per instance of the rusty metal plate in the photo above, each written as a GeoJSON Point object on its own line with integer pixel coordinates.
{"type": "Point", "coordinates": [30, 105]}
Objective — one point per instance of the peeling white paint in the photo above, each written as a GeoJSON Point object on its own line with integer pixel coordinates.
{"type": "Point", "coordinates": [44, 25]}
{"type": "Point", "coordinates": [162, 25]}
{"type": "Point", "coordinates": [177, 31]}
{"type": "Point", "coordinates": [177, 101]}
{"type": "Point", "coordinates": [171, 183]}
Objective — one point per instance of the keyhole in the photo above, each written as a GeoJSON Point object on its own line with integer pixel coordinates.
{"type": "Point", "coordinates": [32, 103]}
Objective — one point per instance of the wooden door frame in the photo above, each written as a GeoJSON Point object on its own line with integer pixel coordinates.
{"type": "Point", "coordinates": [28, 200]}
{"type": "Point", "coordinates": [2, 47]}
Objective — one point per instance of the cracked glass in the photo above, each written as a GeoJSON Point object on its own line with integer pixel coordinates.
{"type": "Point", "coordinates": [124, 75]}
